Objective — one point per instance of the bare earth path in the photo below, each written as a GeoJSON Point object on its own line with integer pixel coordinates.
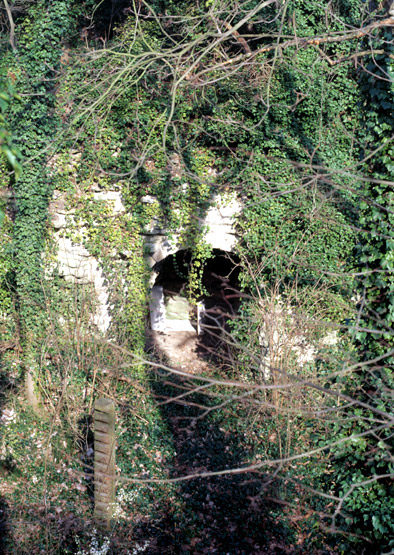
{"type": "Point", "coordinates": [225, 515]}
{"type": "Point", "coordinates": [180, 350]}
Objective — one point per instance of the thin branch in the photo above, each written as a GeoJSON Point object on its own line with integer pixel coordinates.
{"type": "Point", "coordinates": [12, 24]}
{"type": "Point", "coordinates": [302, 43]}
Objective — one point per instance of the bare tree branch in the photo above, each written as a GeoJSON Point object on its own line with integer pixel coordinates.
{"type": "Point", "coordinates": [12, 25]}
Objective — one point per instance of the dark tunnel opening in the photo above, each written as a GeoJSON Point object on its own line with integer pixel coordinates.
{"type": "Point", "coordinates": [217, 305]}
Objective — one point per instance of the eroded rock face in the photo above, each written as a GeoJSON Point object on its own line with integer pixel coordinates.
{"type": "Point", "coordinates": [76, 264]}
{"type": "Point", "coordinates": [157, 309]}
{"type": "Point", "coordinates": [74, 261]}
{"type": "Point", "coordinates": [220, 221]}
{"type": "Point", "coordinates": [286, 340]}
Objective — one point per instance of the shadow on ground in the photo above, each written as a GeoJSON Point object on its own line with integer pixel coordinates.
{"type": "Point", "coordinates": [224, 514]}
{"type": "Point", "coordinates": [3, 526]}
{"type": "Point", "coordinates": [6, 464]}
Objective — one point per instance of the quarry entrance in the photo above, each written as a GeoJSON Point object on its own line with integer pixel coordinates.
{"type": "Point", "coordinates": [190, 331]}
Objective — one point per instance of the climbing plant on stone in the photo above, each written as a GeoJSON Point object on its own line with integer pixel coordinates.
{"type": "Point", "coordinates": [40, 37]}
{"type": "Point", "coordinates": [185, 102]}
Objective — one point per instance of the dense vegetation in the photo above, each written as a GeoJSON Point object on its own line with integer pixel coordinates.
{"type": "Point", "coordinates": [288, 107]}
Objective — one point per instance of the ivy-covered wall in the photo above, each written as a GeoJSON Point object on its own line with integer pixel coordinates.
{"type": "Point", "coordinates": [32, 69]}
{"type": "Point", "coordinates": [169, 108]}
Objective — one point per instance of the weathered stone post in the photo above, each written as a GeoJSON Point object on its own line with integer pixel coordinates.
{"type": "Point", "coordinates": [104, 461]}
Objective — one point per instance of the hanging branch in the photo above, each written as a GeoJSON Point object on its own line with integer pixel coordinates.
{"type": "Point", "coordinates": [302, 43]}
{"type": "Point", "coordinates": [12, 25]}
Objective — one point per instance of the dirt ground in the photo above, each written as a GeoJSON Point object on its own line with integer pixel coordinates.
{"type": "Point", "coordinates": [223, 515]}
{"type": "Point", "coordinates": [180, 349]}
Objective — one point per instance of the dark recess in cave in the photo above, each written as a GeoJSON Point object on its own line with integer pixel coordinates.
{"type": "Point", "coordinates": [221, 298]}
{"type": "Point", "coordinates": [108, 15]}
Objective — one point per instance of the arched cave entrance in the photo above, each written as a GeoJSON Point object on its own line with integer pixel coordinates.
{"type": "Point", "coordinates": [171, 313]}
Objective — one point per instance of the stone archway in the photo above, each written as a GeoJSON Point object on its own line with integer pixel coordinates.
{"type": "Point", "coordinates": [219, 223]}
{"type": "Point", "coordinates": [76, 264]}
{"type": "Point", "coordinates": [169, 309]}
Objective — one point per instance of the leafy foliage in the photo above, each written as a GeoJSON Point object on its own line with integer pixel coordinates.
{"type": "Point", "coordinates": [369, 463]}
{"type": "Point", "coordinates": [39, 39]}
{"type": "Point", "coordinates": [187, 101]}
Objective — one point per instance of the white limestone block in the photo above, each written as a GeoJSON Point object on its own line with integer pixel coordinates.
{"type": "Point", "coordinates": [157, 309]}
{"type": "Point", "coordinates": [113, 198]}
